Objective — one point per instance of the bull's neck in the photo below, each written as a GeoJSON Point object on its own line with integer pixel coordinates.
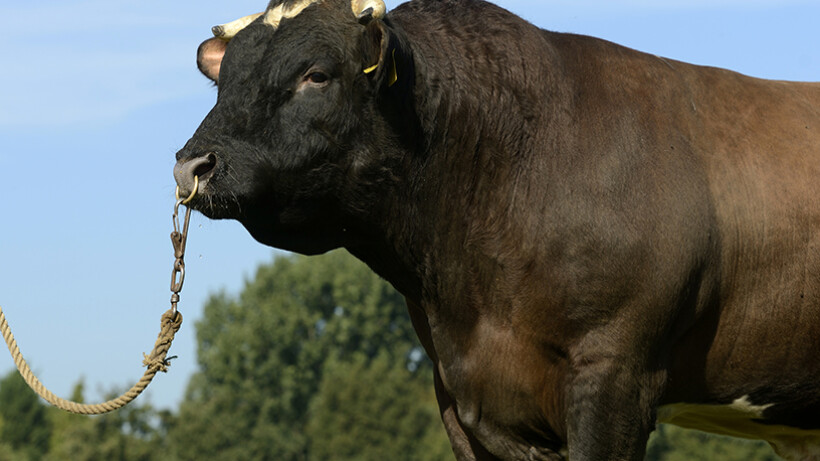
{"type": "Point", "coordinates": [477, 105]}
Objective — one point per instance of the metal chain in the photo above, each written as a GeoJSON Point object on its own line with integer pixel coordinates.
{"type": "Point", "coordinates": [179, 239]}
{"type": "Point", "coordinates": [155, 362]}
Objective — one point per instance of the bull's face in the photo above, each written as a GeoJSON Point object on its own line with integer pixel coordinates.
{"type": "Point", "coordinates": [289, 147]}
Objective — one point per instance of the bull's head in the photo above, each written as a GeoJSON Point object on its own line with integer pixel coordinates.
{"type": "Point", "coordinates": [298, 144]}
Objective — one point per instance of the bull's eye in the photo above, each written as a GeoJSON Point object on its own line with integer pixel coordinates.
{"type": "Point", "coordinates": [313, 79]}
{"type": "Point", "coordinates": [317, 77]}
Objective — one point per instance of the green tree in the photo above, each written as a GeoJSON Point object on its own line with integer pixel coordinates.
{"type": "Point", "coordinates": [375, 410]}
{"type": "Point", "coordinates": [26, 428]}
{"type": "Point", "coordinates": [263, 357]}
{"type": "Point", "coordinates": [133, 433]}
{"type": "Point", "coordinates": [64, 424]}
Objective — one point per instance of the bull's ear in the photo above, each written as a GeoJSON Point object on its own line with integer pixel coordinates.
{"type": "Point", "coordinates": [380, 60]}
{"type": "Point", "coordinates": [209, 57]}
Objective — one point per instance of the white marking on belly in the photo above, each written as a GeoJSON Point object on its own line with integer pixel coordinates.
{"type": "Point", "coordinates": [738, 420]}
{"type": "Point", "coordinates": [745, 406]}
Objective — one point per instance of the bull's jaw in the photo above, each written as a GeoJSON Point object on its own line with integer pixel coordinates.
{"type": "Point", "coordinates": [308, 240]}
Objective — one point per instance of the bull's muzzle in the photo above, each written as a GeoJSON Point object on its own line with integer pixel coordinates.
{"type": "Point", "coordinates": [186, 170]}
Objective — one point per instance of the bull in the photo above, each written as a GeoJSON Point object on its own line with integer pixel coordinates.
{"type": "Point", "coordinates": [590, 239]}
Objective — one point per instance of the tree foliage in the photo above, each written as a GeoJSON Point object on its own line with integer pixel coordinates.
{"type": "Point", "coordinates": [374, 410]}
{"type": "Point", "coordinates": [26, 428]}
{"type": "Point", "coordinates": [33, 431]}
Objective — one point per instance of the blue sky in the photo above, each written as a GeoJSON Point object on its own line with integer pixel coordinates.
{"type": "Point", "coordinates": [97, 96]}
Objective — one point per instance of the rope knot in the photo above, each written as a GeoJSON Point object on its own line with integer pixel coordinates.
{"type": "Point", "coordinates": [156, 364]}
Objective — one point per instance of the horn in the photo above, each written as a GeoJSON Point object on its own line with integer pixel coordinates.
{"type": "Point", "coordinates": [229, 30]}
{"type": "Point", "coordinates": [274, 16]}
{"type": "Point", "coordinates": [364, 8]}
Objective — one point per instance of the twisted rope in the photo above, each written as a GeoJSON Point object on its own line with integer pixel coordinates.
{"type": "Point", "coordinates": [156, 362]}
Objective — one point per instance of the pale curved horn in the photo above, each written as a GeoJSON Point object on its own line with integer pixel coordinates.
{"type": "Point", "coordinates": [229, 30]}
{"type": "Point", "coordinates": [275, 15]}
{"type": "Point", "coordinates": [360, 8]}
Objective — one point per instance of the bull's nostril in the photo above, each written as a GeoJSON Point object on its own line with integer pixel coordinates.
{"type": "Point", "coordinates": [205, 167]}
{"type": "Point", "coordinates": [201, 167]}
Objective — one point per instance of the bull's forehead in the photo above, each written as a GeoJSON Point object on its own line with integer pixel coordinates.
{"type": "Point", "coordinates": [277, 11]}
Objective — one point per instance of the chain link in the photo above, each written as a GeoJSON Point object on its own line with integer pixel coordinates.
{"type": "Point", "coordinates": [179, 238]}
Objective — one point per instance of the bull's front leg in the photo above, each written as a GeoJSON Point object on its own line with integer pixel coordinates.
{"type": "Point", "coordinates": [611, 407]}
{"type": "Point", "coordinates": [465, 446]}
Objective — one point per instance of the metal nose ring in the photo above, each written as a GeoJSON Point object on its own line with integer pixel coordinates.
{"type": "Point", "coordinates": [193, 192]}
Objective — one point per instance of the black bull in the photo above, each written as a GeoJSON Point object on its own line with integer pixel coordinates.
{"type": "Point", "coordinates": [590, 239]}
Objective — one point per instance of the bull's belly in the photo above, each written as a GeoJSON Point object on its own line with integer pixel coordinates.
{"type": "Point", "coordinates": [743, 419]}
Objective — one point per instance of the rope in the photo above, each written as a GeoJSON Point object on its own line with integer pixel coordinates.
{"type": "Point", "coordinates": [156, 362]}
